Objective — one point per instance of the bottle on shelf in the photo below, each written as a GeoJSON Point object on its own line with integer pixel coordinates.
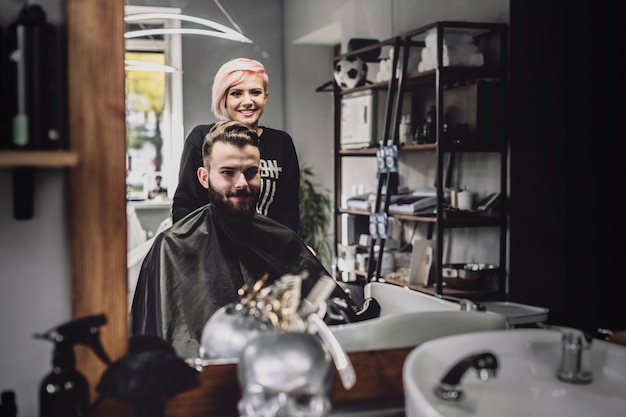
{"type": "Point", "coordinates": [8, 406]}
{"type": "Point", "coordinates": [429, 129]}
{"type": "Point", "coordinates": [33, 81]}
{"type": "Point", "coordinates": [405, 129]}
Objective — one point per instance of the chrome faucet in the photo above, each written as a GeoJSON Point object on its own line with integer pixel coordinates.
{"type": "Point", "coordinates": [575, 364]}
{"type": "Point", "coordinates": [449, 388]}
{"type": "Point", "coordinates": [575, 367]}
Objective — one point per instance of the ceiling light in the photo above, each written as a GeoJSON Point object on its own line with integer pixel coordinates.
{"type": "Point", "coordinates": [220, 31]}
{"type": "Point", "coordinates": [132, 65]}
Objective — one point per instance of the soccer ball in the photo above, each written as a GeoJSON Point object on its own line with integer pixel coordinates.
{"type": "Point", "coordinates": [350, 72]}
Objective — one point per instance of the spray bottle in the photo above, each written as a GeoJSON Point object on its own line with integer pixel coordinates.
{"type": "Point", "coordinates": [65, 391]}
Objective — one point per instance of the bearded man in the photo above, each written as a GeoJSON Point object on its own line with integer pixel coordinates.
{"type": "Point", "coordinates": [197, 265]}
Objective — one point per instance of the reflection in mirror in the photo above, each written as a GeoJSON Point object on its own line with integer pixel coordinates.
{"type": "Point", "coordinates": [154, 114]}
{"type": "Point", "coordinates": [152, 139]}
{"type": "Point", "coordinates": [153, 129]}
{"type": "Point", "coordinates": [153, 102]}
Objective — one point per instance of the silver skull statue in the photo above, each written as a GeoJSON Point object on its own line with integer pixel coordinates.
{"type": "Point", "coordinates": [285, 374]}
{"type": "Point", "coordinates": [227, 332]}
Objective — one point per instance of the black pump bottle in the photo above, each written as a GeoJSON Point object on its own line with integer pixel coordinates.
{"type": "Point", "coordinates": [64, 392]}
{"type": "Point", "coordinates": [35, 71]}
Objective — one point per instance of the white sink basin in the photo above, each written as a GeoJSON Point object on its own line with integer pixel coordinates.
{"type": "Point", "coordinates": [525, 383]}
{"type": "Point", "coordinates": [394, 299]}
{"type": "Point", "coordinates": [409, 318]}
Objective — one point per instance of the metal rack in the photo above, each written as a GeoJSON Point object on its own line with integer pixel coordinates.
{"type": "Point", "coordinates": [493, 38]}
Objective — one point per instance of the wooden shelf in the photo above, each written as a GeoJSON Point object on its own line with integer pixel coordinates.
{"type": "Point", "coordinates": [474, 295]}
{"type": "Point", "coordinates": [426, 147]}
{"type": "Point", "coordinates": [378, 379]}
{"type": "Point", "coordinates": [38, 159]}
{"type": "Point", "coordinates": [24, 163]}
{"type": "Point", "coordinates": [355, 271]}
{"type": "Point", "coordinates": [478, 220]}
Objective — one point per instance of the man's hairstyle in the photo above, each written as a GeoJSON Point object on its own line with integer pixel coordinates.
{"type": "Point", "coordinates": [230, 132]}
{"type": "Point", "coordinates": [231, 73]}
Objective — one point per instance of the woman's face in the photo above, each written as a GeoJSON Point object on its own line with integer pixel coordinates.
{"type": "Point", "coordinates": [245, 101]}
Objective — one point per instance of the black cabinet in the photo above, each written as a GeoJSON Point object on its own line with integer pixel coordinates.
{"type": "Point", "coordinates": [454, 96]}
{"type": "Point", "coordinates": [558, 150]}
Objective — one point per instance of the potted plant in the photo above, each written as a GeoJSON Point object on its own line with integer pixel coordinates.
{"type": "Point", "coordinates": [315, 215]}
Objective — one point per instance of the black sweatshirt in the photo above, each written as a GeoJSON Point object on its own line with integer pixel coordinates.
{"type": "Point", "coordinates": [280, 177]}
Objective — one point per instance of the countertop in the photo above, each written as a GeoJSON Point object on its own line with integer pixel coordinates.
{"type": "Point", "coordinates": [375, 408]}
{"type": "Point", "coordinates": [378, 391]}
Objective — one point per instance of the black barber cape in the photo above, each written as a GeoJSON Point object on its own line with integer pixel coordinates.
{"type": "Point", "coordinates": [197, 265]}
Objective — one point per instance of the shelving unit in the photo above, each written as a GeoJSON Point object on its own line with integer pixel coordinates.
{"type": "Point", "coordinates": [389, 87]}
{"type": "Point", "coordinates": [23, 163]}
{"type": "Point", "coordinates": [484, 137]}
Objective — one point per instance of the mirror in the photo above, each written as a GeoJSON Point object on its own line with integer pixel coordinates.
{"type": "Point", "coordinates": [96, 205]}
{"type": "Point", "coordinates": [96, 197]}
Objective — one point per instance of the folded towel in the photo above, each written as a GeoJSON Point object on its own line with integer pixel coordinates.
{"type": "Point", "coordinates": [384, 70]}
{"type": "Point", "coordinates": [459, 49]}
{"type": "Point", "coordinates": [423, 66]}
{"type": "Point", "coordinates": [465, 56]}
{"type": "Point", "coordinates": [450, 37]}
{"type": "Point", "coordinates": [428, 62]}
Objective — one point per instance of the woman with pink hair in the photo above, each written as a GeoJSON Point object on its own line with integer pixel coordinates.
{"type": "Point", "coordinates": [240, 93]}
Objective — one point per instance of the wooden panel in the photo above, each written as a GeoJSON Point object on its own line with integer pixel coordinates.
{"type": "Point", "coordinates": [41, 159]}
{"type": "Point", "coordinates": [379, 377]}
{"type": "Point", "coordinates": [97, 198]}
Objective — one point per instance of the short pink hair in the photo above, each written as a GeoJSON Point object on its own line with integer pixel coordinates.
{"type": "Point", "coordinates": [229, 74]}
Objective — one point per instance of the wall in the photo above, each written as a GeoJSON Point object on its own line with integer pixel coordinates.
{"type": "Point", "coordinates": [33, 254]}
{"type": "Point", "coordinates": [557, 153]}
{"type": "Point", "coordinates": [33, 267]}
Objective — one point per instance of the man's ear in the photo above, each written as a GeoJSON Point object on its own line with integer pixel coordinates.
{"type": "Point", "coordinates": [203, 177]}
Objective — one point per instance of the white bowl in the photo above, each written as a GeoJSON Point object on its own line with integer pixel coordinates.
{"type": "Point", "coordinates": [408, 318]}
{"type": "Point", "coordinates": [526, 382]}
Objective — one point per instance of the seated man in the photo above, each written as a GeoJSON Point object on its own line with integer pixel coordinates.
{"type": "Point", "coordinates": [197, 265]}
{"type": "Point", "coordinates": [158, 189]}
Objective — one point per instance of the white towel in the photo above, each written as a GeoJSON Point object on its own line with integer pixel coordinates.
{"type": "Point", "coordinates": [450, 37]}
{"type": "Point", "coordinates": [457, 56]}
{"type": "Point", "coordinates": [427, 62]}
{"type": "Point", "coordinates": [459, 49]}
{"type": "Point", "coordinates": [384, 70]}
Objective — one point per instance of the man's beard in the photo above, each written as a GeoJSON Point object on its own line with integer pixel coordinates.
{"type": "Point", "coordinates": [224, 205]}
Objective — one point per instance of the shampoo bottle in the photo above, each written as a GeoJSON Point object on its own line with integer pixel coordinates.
{"type": "Point", "coordinates": [8, 407]}
{"type": "Point", "coordinates": [32, 59]}
{"type": "Point", "coordinates": [64, 392]}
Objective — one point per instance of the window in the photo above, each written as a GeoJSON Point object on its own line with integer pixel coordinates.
{"type": "Point", "coordinates": [154, 111]}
